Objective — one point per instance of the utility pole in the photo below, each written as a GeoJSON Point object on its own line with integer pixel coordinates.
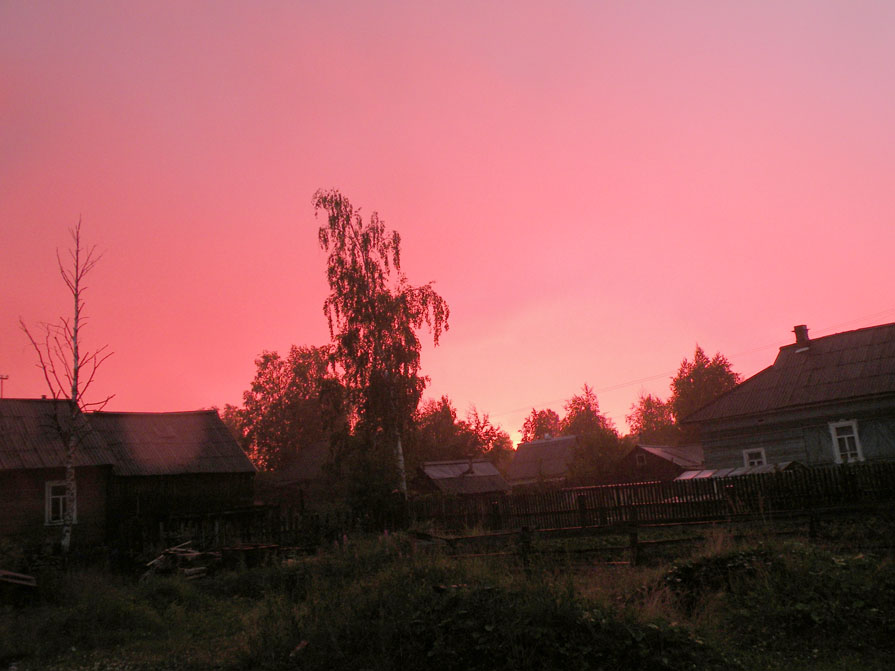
{"type": "Point", "coordinates": [2, 377]}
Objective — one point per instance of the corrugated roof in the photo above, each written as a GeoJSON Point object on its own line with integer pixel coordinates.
{"type": "Point", "coordinates": [170, 443]}
{"type": "Point", "coordinates": [740, 470]}
{"type": "Point", "coordinates": [477, 476]}
{"type": "Point", "coordinates": [843, 366]}
{"type": "Point", "coordinates": [686, 456]}
{"type": "Point", "coordinates": [542, 460]}
{"type": "Point", "coordinates": [30, 436]}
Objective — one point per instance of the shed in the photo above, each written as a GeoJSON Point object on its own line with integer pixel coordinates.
{"type": "Point", "coordinates": [544, 461]}
{"type": "Point", "coordinates": [650, 463]}
{"type": "Point", "coordinates": [465, 477]}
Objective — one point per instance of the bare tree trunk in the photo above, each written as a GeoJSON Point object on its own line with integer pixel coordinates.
{"type": "Point", "coordinates": [62, 362]}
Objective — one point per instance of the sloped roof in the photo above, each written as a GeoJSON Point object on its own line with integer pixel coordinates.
{"type": "Point", "coordinates": [30, 436]}
{"type": "Point", "coordinates": [147, 443]}
{"type": "Point", "coordinates": [542, 460]}
{"type": "Point", "coordinates": [477, 476]}
{"type": "Point", "coordinates": [740, 470]}
{"type": "Point", "coordinates": [685, 456]}
{"type": "Point", "coordinates": [844, 366]}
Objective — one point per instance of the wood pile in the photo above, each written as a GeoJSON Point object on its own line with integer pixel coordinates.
{"type": "Point", "coordinates": [183, 560]}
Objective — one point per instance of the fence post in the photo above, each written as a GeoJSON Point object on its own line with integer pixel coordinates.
{"type": "Point", "coordinates": [582, 510]}
{"type": "Point", "coordinates": [633, 539]}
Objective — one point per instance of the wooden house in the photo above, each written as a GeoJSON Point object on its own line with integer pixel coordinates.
{"type": "Point", "coordinates": [828, 400]}
{"type": "Point", "coordinates": [544, 462]}
{"type": "Point", "coordinates": [652, 463]}
{"type": "Point", "coordinates": [129, 468]}
{"type": "Point", "coordinates": [32, 473]}
{"type": "Point", "coordinates": [464, 477]}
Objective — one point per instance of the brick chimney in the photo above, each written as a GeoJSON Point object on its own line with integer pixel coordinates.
{"type": "Point", "coordinates": [802, 339]}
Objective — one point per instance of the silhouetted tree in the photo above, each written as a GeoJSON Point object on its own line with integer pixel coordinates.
{"type": "Point", "coordinates": [68, 368]}
{"type": "Point", "coordinates": [652, 421]}
{"type": "Point", "coordinates": [294, 402]}
{"type": "Point", "coordinates": [697, 383]}
{"type": "Point", "coordinates": [374, 315]}
{"type": "Point", "coordinates": [438, 435]}
{"type": "Point", "coordinates": [598, 441]}
{"type": "Point", "coordinates": [540, 424]}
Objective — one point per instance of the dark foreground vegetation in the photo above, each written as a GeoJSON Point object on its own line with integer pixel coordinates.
{"type": "Point", "coordinates": [379, 603]}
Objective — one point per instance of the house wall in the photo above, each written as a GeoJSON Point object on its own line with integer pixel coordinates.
{"type": "Point", "coordinates": [182, 494]}
{"type": "Point", "coordinates": [23, 506]}
{"type": "Point", "coordinates": [801, 435]}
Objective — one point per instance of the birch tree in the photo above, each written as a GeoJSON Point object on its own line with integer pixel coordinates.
{"type": "Point", "coordinates": [68, 368]}
{"type": "Point", "coordinates": [374, 314]}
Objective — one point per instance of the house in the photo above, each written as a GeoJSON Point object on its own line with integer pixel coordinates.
{"type": "Point", "coordinates": [32, 472]}
{"type": "Point", "coordinates": [128, 466]}
{"type": "Point", "coordinates": [827, 400]}
{"type": "Point", "coordinates": [170, 463]}
{"type": "Point", "coordinates": [651, 463]}
{"type": "Point", "coordinates": [547, 461]}
{"type": "Point", "coordinates": [464, 477]}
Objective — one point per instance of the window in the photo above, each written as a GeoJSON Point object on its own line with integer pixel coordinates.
{"type": "Point", "coordinates": [754, 457]}
{"type": "Point", "coordinates": [55, 503]}
{"type": "Point", "coordinates": [846, 444]}
{"type": "Point", "coordinates": [640, 459]}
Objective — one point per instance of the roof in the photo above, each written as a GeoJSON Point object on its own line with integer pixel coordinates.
{"type": "Point", "coordinates": [476, 476]}
{"type": "Point", "coordinates": [542, 460]}
{"type": "Point", "coordinates": [686, 456]}
{"type": "Point", "coordinates": [163, 443]}
{"type": "Point", "coordinates": [844, 366]}
{"type": "Point", "coordinates": [741, 470]}
{"type": "Point", "coordinates": [30, 436]}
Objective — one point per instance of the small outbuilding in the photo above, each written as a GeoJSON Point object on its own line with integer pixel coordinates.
{"type": "Point", "coordinates": [544, 462]}
{"type": "Point", "coordinates": [464, 477]}
{"type": "Point", "coordinates": [651, 463]}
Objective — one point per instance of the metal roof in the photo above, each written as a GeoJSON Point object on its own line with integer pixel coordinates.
{"type": "Point", "coordinates": [844, 366]}
{"type": "Point", "coordinates": [740, 470]}
{"type": "Point", "coordinates": [542, 460]}
{"type": "Point", "coordinates": [476, 476]}
{"type": "Point", "coordinates": [30, 436]}
{"type": "Point", "coordinates": [686, 456]}
{"type": "Point", "coordinates": [162, 443]}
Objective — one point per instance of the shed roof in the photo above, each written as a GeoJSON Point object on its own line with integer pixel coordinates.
{"type": "Point", "coordinates": [476, 476]}
{"type": "Point", "coordinates": [685, 456]}
{"type": "Point", "coordinates": [542, 460]}
{"type": "Point", "coordinates": [30, 436]}
{"type": "Point", "coordinates": [740, 470]}
{"type": "Point", "coordinates": [844, 366]}
{"type": "Point", "coordinates": [147, 443]}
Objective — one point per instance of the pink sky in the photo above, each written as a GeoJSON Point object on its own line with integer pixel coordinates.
{"type": "Point", "coordinates": [594, 187]}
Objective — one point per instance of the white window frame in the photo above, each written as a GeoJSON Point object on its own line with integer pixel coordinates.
{"type": "Point", "coordinates": [754, 451]}
{"type": "Point", "coordinates": [50, 519]}
{"type": "Point", "coordinates": [835, 435]}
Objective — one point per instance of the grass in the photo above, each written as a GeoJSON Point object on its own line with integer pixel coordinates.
{"type": "Point", "coordinates": [375, 604]}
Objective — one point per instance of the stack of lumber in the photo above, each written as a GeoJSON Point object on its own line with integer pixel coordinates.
{"type": "Point", "coordinates": [183, 560]}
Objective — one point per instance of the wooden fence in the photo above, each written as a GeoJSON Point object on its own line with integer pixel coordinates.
{"type": "Point", "coordinates": [675, 501]}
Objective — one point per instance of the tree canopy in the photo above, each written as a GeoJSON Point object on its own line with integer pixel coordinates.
{"type": "Point", "coordinates": [374, 314]}
{"type": "Point", "coordinates": [293, 402]}
{"type": "Point", "coordinates": [699, 382]}
{"type": "Point", "coordinates": [652, 421]}
{"type": "Point", "coordinates": [540, 424]}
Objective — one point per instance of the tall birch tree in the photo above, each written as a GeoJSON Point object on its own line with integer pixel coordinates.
{"type": "Point", "coordinates": [68, 368]}
{"type": "Point", "coordinates": [374, 315]}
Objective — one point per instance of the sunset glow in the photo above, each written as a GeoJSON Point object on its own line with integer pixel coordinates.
{"type": "Point", "coordinates": [594, 188]}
